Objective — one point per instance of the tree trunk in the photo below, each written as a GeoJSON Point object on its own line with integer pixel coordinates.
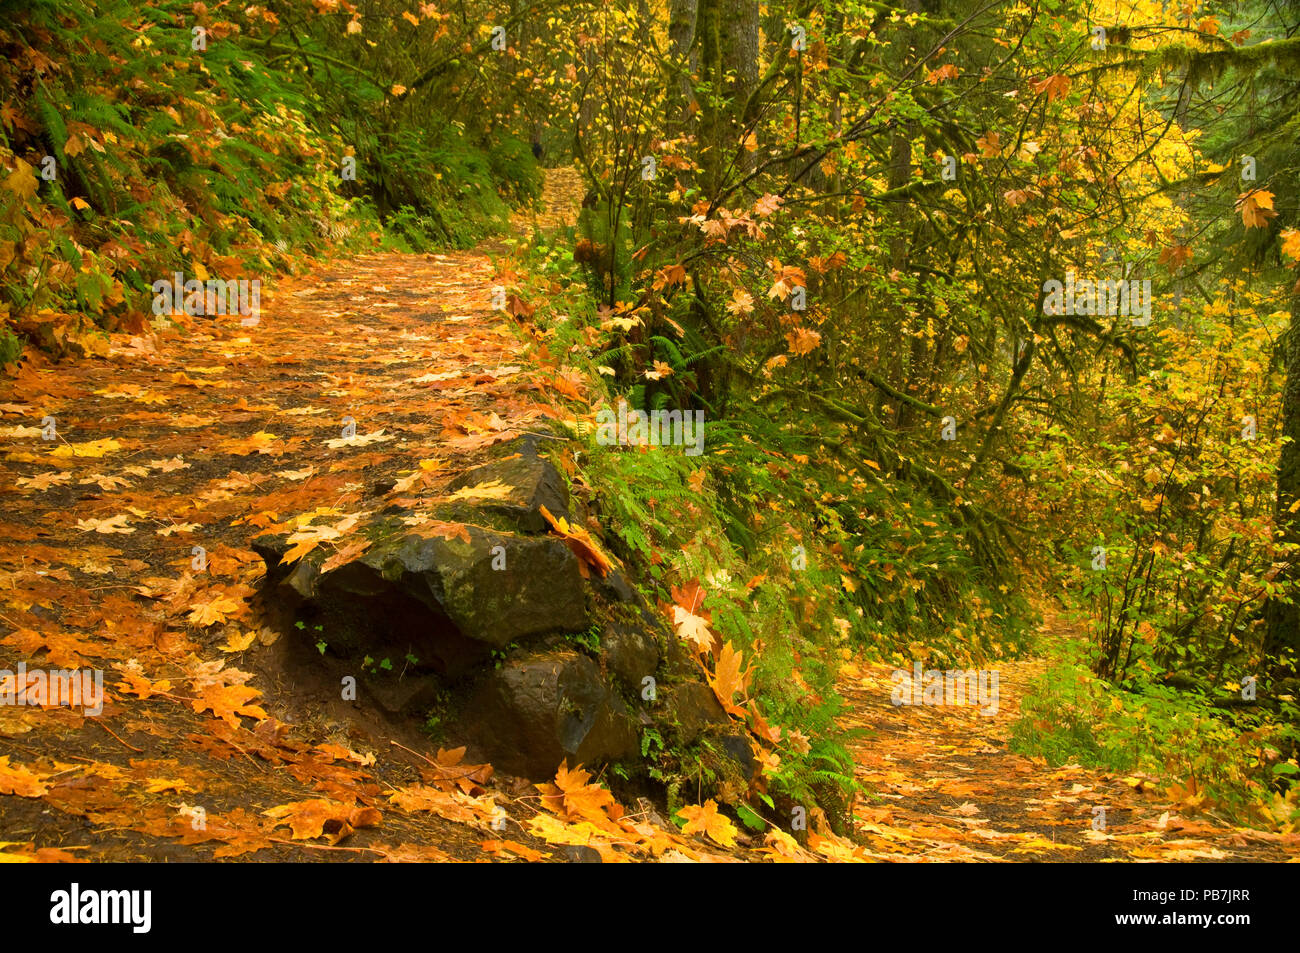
{"type": "Point", "coordinates": [681, 34]}
{"type": "Point", "coordinates": [738, 37]}
{"type": "Point", "coordinates": [1283, 619]}
{"type": "Point", "coordinates": [728, 36]}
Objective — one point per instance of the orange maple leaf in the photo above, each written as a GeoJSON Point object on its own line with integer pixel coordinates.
{"type": "Point", "coordinates": [136, 684]}
{"type": "Point", "coordinates": [574, 796]}
{"type": "Point", "coordinates": [436, 529]}
{"type": "Point", "coordinates": [989, 145]}
{"type": "Point", "coordinates": [447, 772]}
{"type": "Point", "coordinates": [945, 72]}
{"type": "Point", "coordinates": [1256, 207]}
{"type": "Point", "coordinates": [728, 679]}
{"type": "Point", "coordinates": [15, 779]}
{"type": "Point", "coordinates": [580, 541]}
{"type": "Point", "coordinates": [767, 204]}
{"type": "Point", "coordinates": [317, 816]}
{"type": "Point", "coordinates": [346, 554]}
{"type": "Point", "coordinates": [802, 341]}
{"type": "Point", "coordinates": [215, 610]}
{"type": "Point", "coordinates": [669, 277]}
{"type": "Point", "coordinates": [1054, 86]}
{"type": "Point", "coordinates": [228, 702]}
{"type": "Point", "coordinates": [512, 847]}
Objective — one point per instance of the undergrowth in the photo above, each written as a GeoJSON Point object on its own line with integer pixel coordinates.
{"type": "Point", "coordinates": [803, 561]}
{"type": "Point", "coordinates": [1239, 762]}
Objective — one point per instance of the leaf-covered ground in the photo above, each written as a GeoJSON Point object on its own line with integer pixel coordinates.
{"type": "Point", "coordinates": [946, 787]}
{"type": "Point", "coordinates": [205, 434]}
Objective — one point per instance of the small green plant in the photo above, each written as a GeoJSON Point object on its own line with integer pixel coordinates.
{"type": "Point", "coordinates": [750, 818]}
{"type": "Point", "coordinates": [498, 656]}
{"type": "Point", "coordinates": [651, 740]}
{"type": "Point", "coordinates": [10, 347]}
{"type": "Point", "coordinates": [321, 644]}
{"type": "Point", "coordinates": [589, 640]}
{"type": "Point", "coordinates": [435, 722]}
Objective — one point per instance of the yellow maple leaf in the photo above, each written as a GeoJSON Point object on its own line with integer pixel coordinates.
{"type": "Point", "coordinates": [91, 448]}
{"type": "Point", "coordinates": [21, 181]}
{"type": "Point", "coordinates": [307, 539]}
{"type": "Point", "coordinates": [162, 785]}
{"type": "Point", "coordinates": [238, 643]}
{"type": "Point", "coordinates": [1291, 243]}
{"type": "Point", "coordinates": [358, 440]}
{"type": "Point", "coordinates": [693, 629]}
{"type": "Point", "coordinates": [114, 524]}
{"type": "Point", "coordinates": [705, 819]}
{"type": "Point", "coordinates": [259, 442]}
{"type": "Point", "coordinates": [494, 490]}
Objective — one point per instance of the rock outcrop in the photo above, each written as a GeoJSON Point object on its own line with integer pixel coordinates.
{"type": "Point", "coordinates": [535, 657]}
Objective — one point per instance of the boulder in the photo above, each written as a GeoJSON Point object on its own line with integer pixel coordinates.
{"type": "Point", "coordinates": [490, 587]}
{"type": "Point", "coordinates": [692, 707]}
{"type": "Point", "coordinates": [527, 483]}
{"type": "Point", "coordinates": [470, 596]}
{"type": "Point", "coordinates": [540, 709]}
{"type": "Point", "coordinates": [629, 653]}
{"type": "Point", "coordinates": [737, 748]}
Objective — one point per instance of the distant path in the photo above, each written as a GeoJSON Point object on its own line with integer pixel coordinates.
{"type": "Point", "coordinates": [948, 789]}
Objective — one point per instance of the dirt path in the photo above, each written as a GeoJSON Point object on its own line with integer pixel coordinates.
{"type": "Point", "coordinates": [198, 437]}
{"type": "Point", "coordinates": [947, 788]}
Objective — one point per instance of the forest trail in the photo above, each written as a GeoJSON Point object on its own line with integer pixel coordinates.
{"type": "Point", "coordinates": [198, 436]}
{"type": "Point", "coordinates": [943, 785]}
{"type": "Point", "coordinates": [203, 434]}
